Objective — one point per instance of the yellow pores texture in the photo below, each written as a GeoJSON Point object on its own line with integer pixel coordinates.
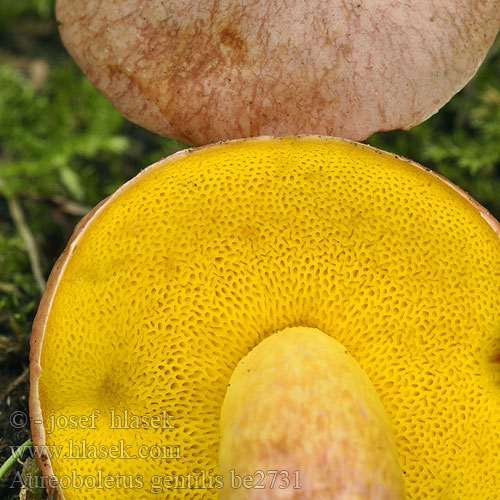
{"type": "Point", "coordinates": [178, 276]}
{"type": "Point", "coordinates": [300, 405]}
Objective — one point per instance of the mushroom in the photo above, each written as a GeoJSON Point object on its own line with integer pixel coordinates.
{"type": "Point", "coordinates": [225, 70]}
{"type": "Point", "coordinates": [304, 305]}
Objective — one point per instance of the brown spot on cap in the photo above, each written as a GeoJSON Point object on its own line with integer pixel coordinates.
{"type": "Point", "coordinates": [230, 38]}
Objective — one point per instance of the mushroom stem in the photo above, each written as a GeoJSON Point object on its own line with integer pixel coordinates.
{"type": "Point", "coordinates": [302, 420]}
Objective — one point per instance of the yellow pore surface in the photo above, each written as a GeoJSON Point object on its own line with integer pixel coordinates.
{"type": "Point", "coordinates": [194, 262]}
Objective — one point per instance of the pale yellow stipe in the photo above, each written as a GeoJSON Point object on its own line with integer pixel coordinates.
{"type": "Point", "coordinates": [180, 274]}
{"type": "Point", "coordinates": [298, 404]}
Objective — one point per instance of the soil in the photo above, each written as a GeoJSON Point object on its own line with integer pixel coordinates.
{"type": "Point", "coordinates": [14, 422]}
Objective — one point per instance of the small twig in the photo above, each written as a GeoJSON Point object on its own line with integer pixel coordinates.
{"type": "Point", "coordinates": [17, 215]}
{"type": "Point", "coordinates": [71, 207]}
{"type": "Point", "coordinates": [18, 381]}
{"type": "Point", "coordinates": [13, 458]}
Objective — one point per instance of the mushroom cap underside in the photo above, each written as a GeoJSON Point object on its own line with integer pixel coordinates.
{"type": "Point", "coordinates": [169, 282]}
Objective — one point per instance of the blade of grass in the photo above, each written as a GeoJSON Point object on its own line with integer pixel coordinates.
{"type": "Point", "coordinates": [12, 459]}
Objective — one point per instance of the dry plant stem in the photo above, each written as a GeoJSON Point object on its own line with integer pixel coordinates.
{"type": "Point", "coordinates": [17, 381]}
{"type": "Point", "coordinates": [17, 215]}
{"type": "Point", "coordinates": [71, 207]}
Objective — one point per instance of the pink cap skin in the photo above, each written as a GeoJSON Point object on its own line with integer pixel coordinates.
{"type": "Point", "coordinates": [216, 70]}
